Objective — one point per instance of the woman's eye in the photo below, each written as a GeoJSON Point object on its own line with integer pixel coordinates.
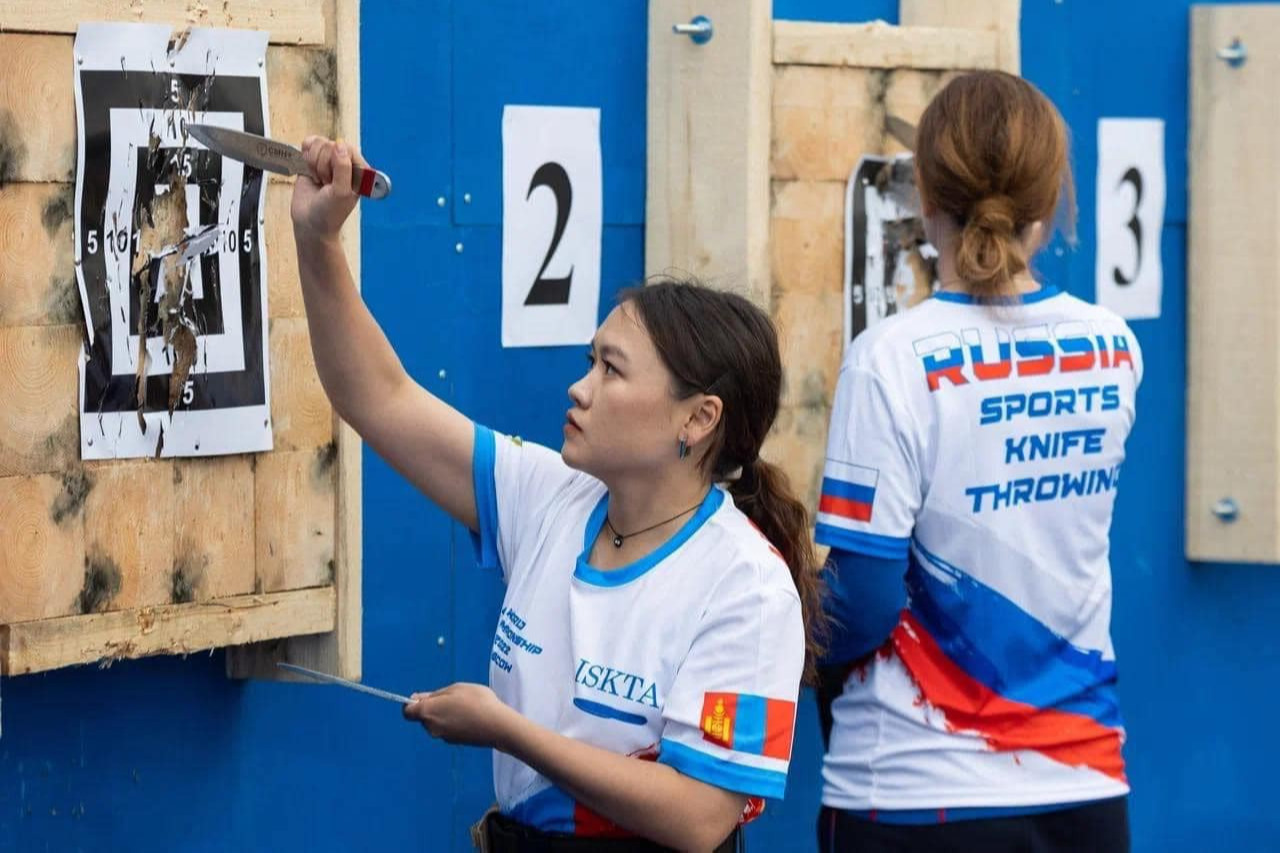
{"type": "Point", "coordinates": [608, 368]}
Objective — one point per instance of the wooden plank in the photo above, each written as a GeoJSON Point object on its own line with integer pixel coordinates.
{"type": "Point", "coordinates": [1003, 17]}
{"type": "Point", "coordinates": [284, 288]}
{"type": "Point", "coordinates": [797, 445]}
{"type": "Point", "coordinates": [214, 526]}
{"type": "Point", "coordinates": [302, 87]}
{"type": "Point", "coordinates": [340, 650]}
{"type": "Point", "coordinates": [707, 200]}
{"type": "Point", "coordinates": [38, 115]}
{"type": "Point", "coordinates": [37, 107]}
{"type": "Point", "coordinates": [129, 522]}
{"type": "Point", "coordinates": [28, 647]}
{"type": "Point", "coordinates": [39, 387]}
{"type": "Point", "coordinates": [288, 21]}
{"type": "Point", "coordinates": [37, 281]}
{"type": "Point", "coordinates": [810, 335]}
{"type": "Point", "coordinates": [825, 120]}
{"type": "Point", "coordinates": [1233, 390]}
{"type": "Point", "coordinates": [907, 94]}
{"type": "Point", "coordinates": [808, 238]}
{"type": "Point", "coordinates": [879, 45]}
{"type": "Point", "coordinates": [42, 565]}
{"type": "Point", "coordinates": [294, 507]}
{"type": "Point", "coordinates": [301, 417]}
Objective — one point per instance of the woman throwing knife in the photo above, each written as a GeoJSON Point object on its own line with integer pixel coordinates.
{"type": "Point", "coordinates": [975, 448]}
{"type": "Point", "coordinates": [649, 651]}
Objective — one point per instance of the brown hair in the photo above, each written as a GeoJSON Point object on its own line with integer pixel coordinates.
{"type": "Point", "coordinates": [715, 342]}
{"type": "Point", "coordinates": [992, 153]}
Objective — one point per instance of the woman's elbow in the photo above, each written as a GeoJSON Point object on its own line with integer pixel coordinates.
{"type": "Point", "coordinates": [712, 828]}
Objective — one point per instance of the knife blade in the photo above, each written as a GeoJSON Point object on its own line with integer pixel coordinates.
{"type": "Point", "coordinates": [342, 682]}
{"type": "Point", "coordinates": [279, 157]}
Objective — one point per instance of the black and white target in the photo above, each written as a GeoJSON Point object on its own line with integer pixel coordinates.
{"type": "Point", "coordinates": [136, 89]}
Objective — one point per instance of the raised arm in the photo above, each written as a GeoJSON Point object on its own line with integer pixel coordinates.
{"type": "Point", "coordinates": [421, 436]}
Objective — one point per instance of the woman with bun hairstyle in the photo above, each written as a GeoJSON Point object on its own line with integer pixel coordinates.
{"type": "Point", "coordinates": [973, 458]}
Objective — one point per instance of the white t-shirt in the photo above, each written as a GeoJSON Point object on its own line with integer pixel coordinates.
{"type": "Point", "coordinates": [691, 656]}
{"type": "Point", "coordinates": [983, 442]}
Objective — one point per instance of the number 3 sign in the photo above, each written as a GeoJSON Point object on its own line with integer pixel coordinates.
{"type": "Point", "coordinates": [1131, 187]}
{"type": "Point", "coordinates": [552, 200]}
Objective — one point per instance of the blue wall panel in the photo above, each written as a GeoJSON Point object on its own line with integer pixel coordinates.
{"type": "Point", "coordinates": [167, 754]}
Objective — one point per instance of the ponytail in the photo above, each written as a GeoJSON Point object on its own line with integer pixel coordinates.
{"type": "Point", "coordinates": [763, 493]}
{"type": "Point", "coordinates": [990, 252]}
{"type": "Point", "coordinates": [714, 342]}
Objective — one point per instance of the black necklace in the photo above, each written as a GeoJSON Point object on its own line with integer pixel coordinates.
{"type": "Point", "coordinates": [618, 537]}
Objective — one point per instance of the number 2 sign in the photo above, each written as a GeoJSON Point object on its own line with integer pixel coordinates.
{"type": "Point", "coordinates": [1131, 191]}
{"type": "Point", "coordinates": [552, 215]}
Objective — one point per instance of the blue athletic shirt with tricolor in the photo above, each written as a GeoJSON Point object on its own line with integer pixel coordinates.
{"type": "Point", "coordinates": [691, 656]}
{"type": "Point", "coordinates": [982, 442]}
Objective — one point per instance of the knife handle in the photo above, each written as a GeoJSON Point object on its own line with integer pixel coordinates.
{"type": "Point", "coordinates": [370, 183]}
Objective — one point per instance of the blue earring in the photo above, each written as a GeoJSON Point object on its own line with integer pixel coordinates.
{"type": "Point", "coordinates": [684, 449]}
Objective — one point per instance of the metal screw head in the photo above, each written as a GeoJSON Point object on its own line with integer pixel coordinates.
{"type": "Point", "coordinates": [1233, 54]}
{"type": "Point", "coordinates": [466, 198]}
{"type": "Point", "coordinates": [1226, 509]}
{"type": "Point", "coordinates": [699, 30]}
{"type": "Point", "coordinates": [457, 247]}
{"type": "Point", "coordinates": [443, 374]}
{"type": "Point", "coordinates": [440, 640]}
{"type": "Point", "coordinates": [79, 60]}
{"type": "Point", "coordinates": [440, 202]}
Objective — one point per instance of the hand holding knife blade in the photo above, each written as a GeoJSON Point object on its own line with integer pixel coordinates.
{"type": "Point", "coordinates": [263, 153]}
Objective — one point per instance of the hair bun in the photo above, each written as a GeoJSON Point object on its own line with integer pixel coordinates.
{"type": "Point", "coordinates": [994, 213]}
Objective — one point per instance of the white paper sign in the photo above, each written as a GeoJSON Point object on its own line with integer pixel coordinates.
{"type": "Point", "coordinates": [552, 216]}
{"type": "Point", "coordinates": [191, 329]}
{"type": "Point", "coordinates": [1131, 194]}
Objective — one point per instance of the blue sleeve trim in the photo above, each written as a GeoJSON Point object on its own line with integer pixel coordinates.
{"type": "Point", "coordinates": [740, 778]}
{"type": "Point", "coordinates": [484, 461]}
{"type": "Point", "coordinates": [865, 597]}
{"type": "Point", "coordinates": [871, 544]}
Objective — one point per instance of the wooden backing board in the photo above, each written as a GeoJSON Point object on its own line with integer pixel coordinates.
{"type": "Point", "coordinates": [1233, 305]}
{"type": "Point", "coordinates": [102, 553]}
{"type": "Point", "coordinates": [288, 21]}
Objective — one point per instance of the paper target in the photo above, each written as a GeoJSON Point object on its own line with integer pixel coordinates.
{"type": "Point", "coordinates": [169, 252]}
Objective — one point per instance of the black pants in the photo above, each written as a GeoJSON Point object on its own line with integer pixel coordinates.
{"type": "Point", "coordinates": [508, 836]}
{"type": "Point", "coordinates": [1099, 827]}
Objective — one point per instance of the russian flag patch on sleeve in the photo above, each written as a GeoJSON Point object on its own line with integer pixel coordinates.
{"type": "Point", "coordinates": [848, 491]}
{"type": "Point", "coordinates": [745, 723]}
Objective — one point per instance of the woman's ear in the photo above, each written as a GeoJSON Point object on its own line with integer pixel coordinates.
{"type": "Point", "coordinates": [1034, 237]}
{"type": "Point", "coordinates": [704, 418]}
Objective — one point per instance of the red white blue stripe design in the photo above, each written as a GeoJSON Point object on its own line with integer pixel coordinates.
{"type": "Point", "coordinates": [993, 669]}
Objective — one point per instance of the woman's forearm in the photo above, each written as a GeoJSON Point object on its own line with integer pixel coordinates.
{"type": "Point", "coordinates": [355, 361]}
{"type": "Point", "coordinates": [650, 799]}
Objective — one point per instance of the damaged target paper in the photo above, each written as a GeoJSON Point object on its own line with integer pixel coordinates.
{"type": "Point", "coordinates": [169, 253]}
{"type": "Point", "coordinates": [889, 266]}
